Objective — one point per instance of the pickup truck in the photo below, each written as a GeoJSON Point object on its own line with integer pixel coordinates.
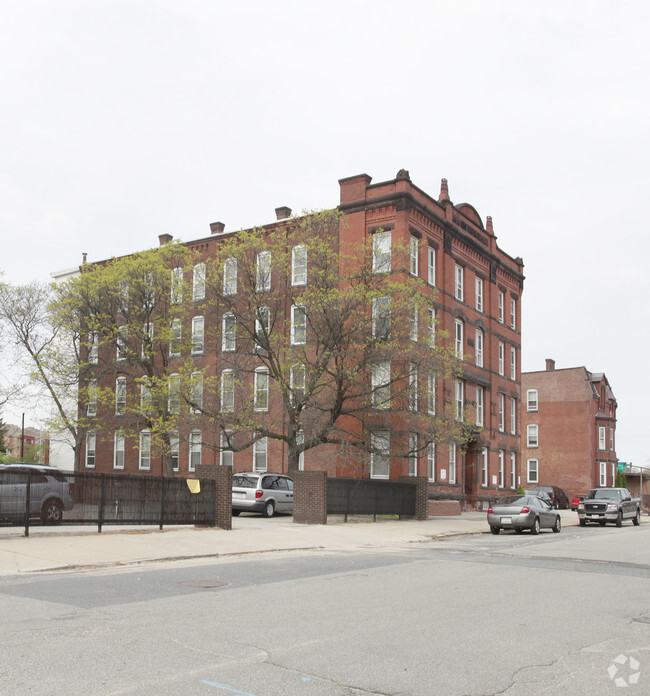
{"type": "Point", "coordinates": [604, 505]}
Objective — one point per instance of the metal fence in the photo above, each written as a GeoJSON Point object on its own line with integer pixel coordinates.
{"type": "Point", "coordinates": [101, 499]}
{"type": "Point", "coordinates": [369, 497]}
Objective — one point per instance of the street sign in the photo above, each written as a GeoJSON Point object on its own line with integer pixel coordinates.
{"type": "Point", "coordinates": [622, 465]}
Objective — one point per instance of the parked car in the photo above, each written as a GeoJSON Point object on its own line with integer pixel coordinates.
{"type": "Point", "coordinates": [541, 494]}
{"type": "Point", "coordinates": [577, 499]}
{"type": "Point", "coordinates": [559, 498]}
{"type": "Point", "coordinates": [521, 512]}
{"type": "Point", "coordinates": [261, 492]}
{"type": "Point", "coordinates": [49, 492]}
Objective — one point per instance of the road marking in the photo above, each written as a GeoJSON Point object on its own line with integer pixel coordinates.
{"type": "Point", "coordinates": [225, 687]}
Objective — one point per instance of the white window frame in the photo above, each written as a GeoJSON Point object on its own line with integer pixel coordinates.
{"type": "Point", "coordinates": [478, 291]}
{"type": "Point", "coordinates": [381, 251]}
{"type": "Point", "coordinates": [431, 394]}
{"type": "Point", "coordinates": [602, 438]}
{"type": "Point", "coordinates": [91, 402]}
{"type": "Point", "coordinates": [501, 299]}
{"type": "Point", "coordinates": [414, 322]}
{"type": "Point", "coordinates": [413, 387]}
{"type": "Point", "coordinates": [485, 466]}
{"type": "Point", "coordinates": [414, 248]}
{"type": "Point", "coordinates": [122, 343]}
{"type": "Point", "coordinates": [452, 463]}
{"type": "Point", "coordinates": [118, 450]}
{"type": "Point", "coordinates": [602, 473]}
{"type": "Point", "coordinates": [261, 455]}
{"type": "Point", "coordinates": [413, 454]}
{"type": "Point", "coordinates": [91, 449]}
{"type": "Point", "coordinates": [226, 456]}
{"type": "Point", "coordinates": [431, 314]}
{"type": "Point", "coordinates": [147, 340]}
{"type": "Point", "coordinates": [93, 347]}
{"type": "Point", "coordinates": [513, 470]}
{"type": "Point", "coordinates": [196, 392]}
{"type": "Point", "coordinates": [431, 265]}
{"type": "Point", "coordinates": [144, 451]}
{"type": "Point", "coordinates": [532, 400]}
{"type": "Point", "coordinates": [513, 313]}
{"type": "Point", "coordinates": [298, 328]}
{"type": "Point", "coordinates": [459, 340]}
{"type": "Point", "coordinates": [195, 447]}
{"type": "Point", "coordinates": [502, 358]}
{"type": "Point", "coordinates": [381, 318]}
{"type": "Point", "coordinates": [478, 347]}
{"type": "Point", "coordinates": [230, 277]}
{"type": "Point", "coordinates": [300, 442]}
{"type": "Point", "coordinates": [513, 416]}
{"type": "Point", "coordinates": [459, 400]}
{"type": "Point", "coordinates": [380, 459]}
{"type": "Point", "coordinates": [174, 450]}
{"type": "Point", "coordinates": [532, 470]}
{"type": "Point", "coordinates": [175, 337]}
{"type": "Point", "coordinates": [513, 363]}
{"type": "Point", "coordinates": [120, 396]}
{"type": "Point", "coordinates": [262, 325]}
{"type": "Point", "coordinates": [459, 283]}
{"type": "Point", "coordinates": [176, 293]}
{"type": "Point", "coordinates": [261, 389]}
{"type": "Point", "coordinates": [380, 385]}
{"type": "Point", "coordinates": [198, 335]}
{"type": "Point", "coordinates": [502, 468]}
{"type": "Point", "coordinates": [146, 400]}
{"type": "Point", "coordinates": [263, 271]}
{"type": "Point", "coordinates": [297, 383]}
{"type": "Point", "coordinates": [532, 435]}
{"type": "Point", "coordinates": [227, 391]}
{"type": "Point", "coordinates": [228, 333]}
{"type": "Point", "coordinates": [502, 412]}
{"type": "Point", "coordinates": [480, 406]}
{"type": "Point", "coordinates": [299, 265]}
{"type": "Point", "coordinates": [198, 282]}
{"type": "Point", "coordinates": [431, 461]}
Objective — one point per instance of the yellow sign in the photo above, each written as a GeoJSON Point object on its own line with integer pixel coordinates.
{"type": "Point", "coordinates": [194, 485]}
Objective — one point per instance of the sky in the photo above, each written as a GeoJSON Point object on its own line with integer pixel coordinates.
{"type": "Point", "coordinates": [127, 119]}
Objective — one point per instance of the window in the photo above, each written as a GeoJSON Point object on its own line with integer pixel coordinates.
{"type": "Point", "coordinates": [413, 454]}
{"type": "Point", "coordinates": [413, 387]}
{"type": "Point", "coordinates": [513, 313]}
{"type": "Point", "coordinates": [195, 451]}
{"type": "Point", "coordinates": [91, 447]}
{"type": "Point", "coordinates": [611, 439]}
{"type": "Point", "coordinates": [174, 394]}
{"type": "Point", "coordinates": [431, 461]}
{"type": "Point", "coordinates": [227, 391]}
{"type": "Point", "coordinates": [531, 400]}
{"type": "Point", "coordinates": [300, 443]}
{"type": "Point", "coordinates": [118, 450]}
{"type": "Point", "coordinates": [144, 461]}
{"type": "Point", "coordinates": [226, 454]}
{"type": "Point", "coordinates": [484, 466]}
{"type": "Point", "coordinates": [413, 326]}
{"type": "Point", "coordinates": [532, 473]}
{"type": "Point", "coordinates": [120, 396]}
{"type": "Point", "coordinates": [263, 272]}
{"type": "Point", "coordinates": [297, 384]}
{"type": "Point", "coordinates": [413, 249]}
{"type": "Point", "coordinates": [513, 416]}
{"type": "Point", "coordinates": [501, 302]}
{"type": "Point", "coordinates": [513, 363]}
{"type": "Point", "coordinates": [431, 266]}
{"type": "Point", "coordinates": [458, 341]}
{"type": "Point", "coordinates": [147, 341]}
{"type": "Point", "coordinates": [380, 454]}
{"type": "Point", "coordinates": [91, 406]}
{"type": "Point", "coordinates": [298, 326]}
{"type": "Point", "coordinates": [380, 385]}
{"type": "Point", "coordinates": [452, 462]}
{"type": "Point", "coordinates": [602, 438]}
{"type": "Point", "coordinates": [513, 469]}
{"type": "Point", "coordinates": [431, 393]}
{"type": "Point", "coordinates": [299, 265]}
{"type": "Point", "coordinates": [502, 357]}
{"type": "Point", "coordinates": [197, 335]}
{"type": "Point", "coordinates": [532, 436]}
{"type": "Point", "coordinates": [478, 292]}
{"type": "Point", "coordinates": [230, 277]}
{"type": "Point", "coordinates": [431, 314]}
{"type": "Point", "coordinates": [261, 396]}
{"type": "Point", "coordinates": [177, 286]}
{"type": "Point", "coordinates": [145, 397]}
{"type": "Point", "coordinates": [502, 468]}
{"type": "Point", "coordinates": [459, 399]}
{"type": "Point", "coordinates": [381, 318]}
{"type": "Point", "coordinates": [459, 291]}
{"type": "Point", "coordinates": [603, 473]}
{"type": "Point", "coordinates": [228, 332]}
{"type": "Point", "coordinates": [480, 406]}
{"type": "Point", "coordinates": [175, 337]}
{"type": "Point", "coordinates": [479, 347]}
{"type": "Point", "coordinates": [502, 415]}
{"type": "Point", "coordinates": [381, 251]}
{"type": "Point", "coordinates": [174, 449]}
{"type": "Point", "coordinates": [122, 342]}
{"type": "Point", "coordinates": [93, 347]}
{"type": "Point", "coordinates": [262, 324]}
{"type": "Point", "coordinates": [196, 392]}
{"type": "Point", "coordinates": [260, 454]}
{"type": "Point", "coordinates": [198, 282]}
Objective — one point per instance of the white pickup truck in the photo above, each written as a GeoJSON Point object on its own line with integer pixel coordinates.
{"type": "Point", "coordinates": [604, 505]}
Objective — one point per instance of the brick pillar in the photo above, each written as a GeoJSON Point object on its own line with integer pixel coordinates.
{"type": "Point", "coordinates": [421, 494]}
{"type": "Point", "coordinates": [222, 477]}
{"type": "Point", "coordinates": [310, 497]}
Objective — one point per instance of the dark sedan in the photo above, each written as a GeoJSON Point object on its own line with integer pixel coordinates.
{"type": "Point", "coordinates": [521, 512]}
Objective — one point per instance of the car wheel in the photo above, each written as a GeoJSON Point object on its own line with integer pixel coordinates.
{"type": "Point", "coordinates": [235, 513]}
{"type": "Point", "coordinates": [269, 509]}
{"type": "Point", "coordinates": [583, 523]}
{"type": "Point", "coordinates": [52, 512]}
{"type": "Point", "coordinates": [535, 528]}
{"type": "Point", "coordinates": [558, 524]}
{"type": "Point", "coordinates": [602, 523]}
{"type": "Point", "coordinates": [518, 530]}
{"type": "Point", "coordinates": [637, 518]}
{"type": "Point", "coordinates": [619, 519]}
{"type": "Point", "coordinates": [495, 530]}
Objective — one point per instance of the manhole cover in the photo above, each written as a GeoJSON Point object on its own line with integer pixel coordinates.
{"type": "Point", "coordinates": [206, 584]}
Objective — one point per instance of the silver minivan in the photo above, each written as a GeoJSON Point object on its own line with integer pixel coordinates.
{"type": "Point", "coordinates": [49, 492]}
{"type": "Point", "coordinates": [267, 493]}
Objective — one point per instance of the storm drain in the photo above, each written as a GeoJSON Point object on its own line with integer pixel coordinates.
{"type": "Point", "coordinates": [205, 584]}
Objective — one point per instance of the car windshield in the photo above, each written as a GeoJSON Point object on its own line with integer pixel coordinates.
{"type": "Point", "coordinates": [245, 481]}
{"type": "Point", "coordinates": [604, 494]}
{"type": "Point", "coordinates": [512, 500]}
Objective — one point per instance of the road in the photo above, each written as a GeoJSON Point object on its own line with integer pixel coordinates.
{"type": "Point", "coordinates": [508, 614]}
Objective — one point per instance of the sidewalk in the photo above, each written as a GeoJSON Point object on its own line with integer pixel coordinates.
{"type": "Point", "coordinates": [70, 547]}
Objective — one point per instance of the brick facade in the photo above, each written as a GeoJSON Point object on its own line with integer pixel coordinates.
{"type": "Point", "coordinates": [310, 497]}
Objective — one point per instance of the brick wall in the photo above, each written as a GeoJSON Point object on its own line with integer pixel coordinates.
{"type": "Point", "coordinates": [443, 508]}
{"type": "Point", "coordinates": [222, 476]}
{"type": "Point", "coordinates": [310, 497]}
{"type": "Point", "coordinates": [421, 494]}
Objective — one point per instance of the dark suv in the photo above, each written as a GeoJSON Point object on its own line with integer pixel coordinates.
{"type": "Point", "coordinates": [558, 497]}
{"type": "Point", "coordinates": [49, 492]}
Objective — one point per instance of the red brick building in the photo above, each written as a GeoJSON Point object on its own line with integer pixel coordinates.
{"type": "Point", "coordinates": [476, 289]}
{"type": "Point", "coordinates": [568, 429]}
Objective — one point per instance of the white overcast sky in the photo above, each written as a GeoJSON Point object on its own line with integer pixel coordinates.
{"type": "Point", "coordinates": [125, 119]}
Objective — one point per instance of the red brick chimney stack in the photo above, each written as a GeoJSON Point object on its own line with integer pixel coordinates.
{"type": "Point", "coordinates": [444, 191]}
{"type": "Point", "coordinates": [488, 225]}
{"type": "Point", "coordinates": [164, 239]}
{"type": "Point", "coordinates": [217, 227]}
{"type": "Point", "coordinates": [550, 365]}
{"type": "Point", "coordinates": [283, 212]}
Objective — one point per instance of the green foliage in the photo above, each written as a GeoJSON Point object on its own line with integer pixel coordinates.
{"type": "Point", "coordinates": [621, 481]}
{"type": "Point", "coordinates": [521, 491]}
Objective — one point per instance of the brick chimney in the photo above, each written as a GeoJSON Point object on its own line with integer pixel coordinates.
{"type": "Point", "coordinates": [444, 190]}
{"type": "Point", "coordinates": [164, 239]}
{"type": "Point", "coordinates": [550, 365]}
{"type": "Point", "coordinates": [217, 227]}
{"type": "Point", "coordinates": [282, 212]}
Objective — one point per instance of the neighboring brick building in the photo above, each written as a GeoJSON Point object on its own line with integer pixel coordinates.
{"type": "Point", "coordinates": [475, 288]}
{"type": "Point", "coordinates": [568, 429]}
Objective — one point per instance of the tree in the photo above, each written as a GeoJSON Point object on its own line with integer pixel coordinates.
{"type": "Point", "coordinates": [341, 336]}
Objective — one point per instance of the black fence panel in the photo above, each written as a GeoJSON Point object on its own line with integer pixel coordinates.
{"type": "Point", "coordinates": [370, 497]}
